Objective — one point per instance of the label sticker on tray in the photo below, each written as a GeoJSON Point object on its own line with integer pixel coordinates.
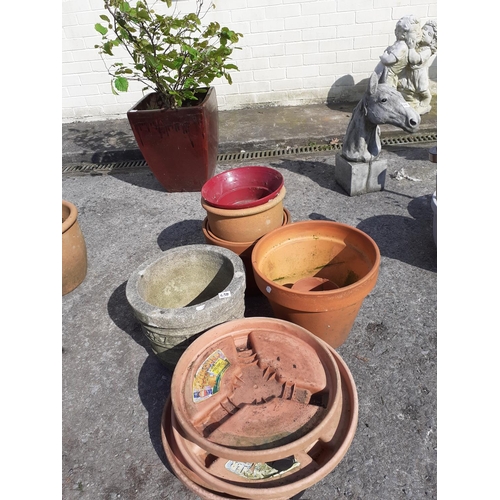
{"type": "Point", "coordinates": [208, 377]}
{"type": "Point", "coordinates": [251, 470]}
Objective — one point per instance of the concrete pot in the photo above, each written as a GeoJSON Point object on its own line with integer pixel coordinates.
{"type": "Point", "coordinates": [243, 249]}
{"type": "Point", "coordinates": [339, 253]}
{"type": "Point", "coordinates": [245, 224]}
{"type": "Point", "coordinates": [214, 476]}
{"type": "Point", "coordinates": [184, 292]}
{"type": "Point", "coordinates": [74, 249]}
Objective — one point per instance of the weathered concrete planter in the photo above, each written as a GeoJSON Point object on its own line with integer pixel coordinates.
{"type": "Point", "coordinates": [185, 292]}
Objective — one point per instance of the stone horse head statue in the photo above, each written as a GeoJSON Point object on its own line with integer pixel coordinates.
{"type": "Point", "coordinates": [381, 104]}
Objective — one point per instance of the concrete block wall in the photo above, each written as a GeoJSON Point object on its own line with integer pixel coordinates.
{"type": "Point", "coordinates": [292, 52]}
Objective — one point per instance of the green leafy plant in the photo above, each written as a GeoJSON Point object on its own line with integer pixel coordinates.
{"type": "Point", "coordinates": [172, 55]}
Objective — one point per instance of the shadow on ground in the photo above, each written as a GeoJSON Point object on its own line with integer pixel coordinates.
{"type": "Point", "coordinates": [142, 178]}
{"type": "Point", "coordinates": [121, 313]}
{"type": "Point", "coordinates": [186, 232]}
{"type": "Point", "coordinates": [154, 378]}
{"type": "Point", "coordinates": [321, 173]}
{"type": "Point", "coordinates": [154, 390]}
{"type": "Point", "coordinates": [409, 153]}
{"type": "Point", "coordinates": [407, 239]}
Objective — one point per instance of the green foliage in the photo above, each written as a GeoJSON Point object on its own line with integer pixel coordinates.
{"type": "Point", "coordinates": [174, 55]}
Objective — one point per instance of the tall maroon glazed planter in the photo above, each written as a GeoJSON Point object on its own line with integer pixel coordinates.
{"type": "Point", "coordinates": [179, 145]}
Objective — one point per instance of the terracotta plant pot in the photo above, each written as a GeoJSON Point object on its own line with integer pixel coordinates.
{"type": "Point", "coordinates": [213, 476]}
{"type": "Point", "coordinates": [245, 224]}
{"type": "Point", "coordinates": [184, 292]}
{"type": "Point", "coordinates": [337, 252]}
{"type": "Point", "coordinates": [74, 249]}
{"type": "Point", "coordinates": [179, 145]}
{"type": "Point", "coordinates": [243, 249]}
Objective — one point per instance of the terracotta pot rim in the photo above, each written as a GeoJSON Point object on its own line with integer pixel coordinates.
{"type": "Point", "coordinates": [243, 244]}
{"type": "Point", "coordinates": [238, 326]}
{"type": "Point", "coordinates": [73, 214]}
{"type": "Point", "coordinates": [244, 212]}
{"type": "Point", "coordinates": [183, 473]}
{"type": "Point", "coordinates": [366, 281]}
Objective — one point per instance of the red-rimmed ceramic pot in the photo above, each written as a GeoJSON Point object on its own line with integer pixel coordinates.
{"type": "Point", "coordinates": [242, 187]}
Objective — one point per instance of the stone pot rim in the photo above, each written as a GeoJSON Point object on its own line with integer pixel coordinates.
{"type": "Point", "coordinates": [163, 317]}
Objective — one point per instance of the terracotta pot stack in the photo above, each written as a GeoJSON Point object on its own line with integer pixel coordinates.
{"type": "Point", "coordinates": [242, 205]}
{"type": "Point", "coordinates": [260, 408]}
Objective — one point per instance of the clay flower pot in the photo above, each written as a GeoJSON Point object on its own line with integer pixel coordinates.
{"type": "Point", "coordinates": [242, 187]}
{"type": "Point", "coordinates": [266, 469]}
{"type": "Point", "coordinates": [243, 249]}
{"type": "Point", "coordinates": [184, 292]}
{"type": "Point", "coordinates": [341, 254]}
{"type": "Point", "coordinates": [245, 224]}
{"type": "Point", "coordinates": [74, 249]}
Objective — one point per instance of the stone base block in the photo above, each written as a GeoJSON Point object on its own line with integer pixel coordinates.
{"type": "Point", "coordinates": [359, 178]}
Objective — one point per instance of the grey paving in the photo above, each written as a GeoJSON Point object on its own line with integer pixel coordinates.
{"type": "Point", "coordinates": [242, 130]}
{"type": "Point", "coordinates": [114, 388]}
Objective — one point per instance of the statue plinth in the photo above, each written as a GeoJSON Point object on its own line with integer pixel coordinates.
{"type": "Point", "coordinates": [359, 177]}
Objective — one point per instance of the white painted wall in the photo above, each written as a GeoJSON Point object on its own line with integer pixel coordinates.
{"type": "Point", "coordinates": [293, 52]}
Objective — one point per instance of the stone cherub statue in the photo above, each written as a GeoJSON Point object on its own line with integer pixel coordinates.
{"type": "Point", "coordinates": [395, 57]}
{"type": "Point", "coordinates": [405, 64]}
{"type": "Point", "coordinates": [414, 79]}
